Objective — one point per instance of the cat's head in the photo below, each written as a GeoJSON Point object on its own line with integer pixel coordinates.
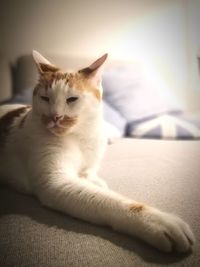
{"type": "Point", "coordinates": [61, 98]}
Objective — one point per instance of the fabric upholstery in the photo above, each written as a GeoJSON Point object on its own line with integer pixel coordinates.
{"type": "Point", "coordinates": [162, 173]}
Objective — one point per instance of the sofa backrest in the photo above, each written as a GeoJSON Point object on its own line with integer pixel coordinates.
{"type": "Point", "coordinates": [5, 79]}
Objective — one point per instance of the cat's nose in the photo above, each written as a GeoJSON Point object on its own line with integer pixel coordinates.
{"type": "Point", "coordinates": [56, 117]}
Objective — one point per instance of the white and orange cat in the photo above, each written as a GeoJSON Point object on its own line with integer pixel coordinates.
{"type": "Point", "coordinates": [53, 150]}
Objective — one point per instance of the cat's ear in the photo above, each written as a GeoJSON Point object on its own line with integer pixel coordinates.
{"type": "Point", "coordinates": [43, 65]}
{"type": "Point", "coordinates": [94, 71]}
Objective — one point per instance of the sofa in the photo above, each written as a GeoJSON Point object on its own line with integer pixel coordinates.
{"type": "Point", "coordinates": [156, 167]}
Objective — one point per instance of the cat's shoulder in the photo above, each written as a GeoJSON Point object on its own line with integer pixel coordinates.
{"type": "Point", "coordinates": [14, 108]}
{"type": "Point", "coordinates": [12, 116]}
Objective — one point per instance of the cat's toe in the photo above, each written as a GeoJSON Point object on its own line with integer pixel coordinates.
{"type": "Point", "coordinates": [178, 241]}
{"type": "Point", "coordinates": [179, 234]}
{"type": "Point", "coordinates": [188, 233]}
{"type": "Point", "coordinates": [169, 233]}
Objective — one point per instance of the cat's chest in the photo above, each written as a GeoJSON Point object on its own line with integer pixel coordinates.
{"type": "Point", "coordinates": [88, 150]}
{"type": "Point", "coordinates": [92, 153]}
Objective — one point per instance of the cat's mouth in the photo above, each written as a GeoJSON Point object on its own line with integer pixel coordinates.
{"type": "Point", "coordinates": [59, 127]}
{"type": "Point", "coordinates": [53, 124]}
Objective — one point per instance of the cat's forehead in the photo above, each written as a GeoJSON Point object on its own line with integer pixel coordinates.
{"type": "Point", "coordinates": [54, 79]}
{"type": "Point", "coordinates": [66, 81]}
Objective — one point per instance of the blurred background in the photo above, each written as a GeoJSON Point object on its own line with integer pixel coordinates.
{"type": "Point", "coordinates": [163, 36]}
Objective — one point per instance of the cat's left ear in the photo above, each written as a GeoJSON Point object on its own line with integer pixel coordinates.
{"type": "Point", "coordinates": [43, 65]}
{"type": "Point", "coordinates": [94, 71]}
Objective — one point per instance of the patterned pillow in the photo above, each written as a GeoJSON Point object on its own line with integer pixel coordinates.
{"type": "Point", "coordinates": [167, 126]}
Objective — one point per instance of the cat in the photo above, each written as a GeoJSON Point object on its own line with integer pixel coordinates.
{"type": "Point", "coordinates": [53, 150]}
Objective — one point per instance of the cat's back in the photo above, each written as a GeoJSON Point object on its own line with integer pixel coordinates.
{"type": "Point", "coordinates": [9, 112]}
{"type": "Point", "coordinates": [9, 107]}
{"type": "Point", "coordinates": [11, 120]}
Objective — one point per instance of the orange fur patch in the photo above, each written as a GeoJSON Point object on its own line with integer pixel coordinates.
{"type": "Point", "coordinates": [137, 207]}
{"type": "Point", "coordinates": [97, 94]}
{"type": "Point", "coordinates": [47, 78]}
{"type": "Point", "coordinates": [82, 83]}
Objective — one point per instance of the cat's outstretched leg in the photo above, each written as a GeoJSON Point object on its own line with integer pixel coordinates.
{"type": "Point", "coordinates": [92, 203]}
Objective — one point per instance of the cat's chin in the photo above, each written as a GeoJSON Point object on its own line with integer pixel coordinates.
{"type": "Point", "coordinates": [55, 129]}
{"type": "Point", "coordinates": [58, 131]}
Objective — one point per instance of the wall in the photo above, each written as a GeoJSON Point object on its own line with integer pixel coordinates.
{"type": "Point", "coordinates": [152, 31]}
{"type": "Point", "coordinates": [193, 49]}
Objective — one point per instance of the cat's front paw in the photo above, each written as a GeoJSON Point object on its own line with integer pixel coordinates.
{"type": "Point", "coordinates": [167, 232]}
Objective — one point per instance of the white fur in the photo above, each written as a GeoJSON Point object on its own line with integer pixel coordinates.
{"type": "Point", "coordinates": [54, 169]}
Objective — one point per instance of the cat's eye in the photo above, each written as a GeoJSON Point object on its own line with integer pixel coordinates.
{"type": "Point", "coordinates": [71, 99]}
{"type": "Point", "coordinates": [45, 98]}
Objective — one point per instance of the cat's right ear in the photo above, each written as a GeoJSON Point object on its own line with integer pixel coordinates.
{"type": "Point", "coordinates": [43, 65]}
